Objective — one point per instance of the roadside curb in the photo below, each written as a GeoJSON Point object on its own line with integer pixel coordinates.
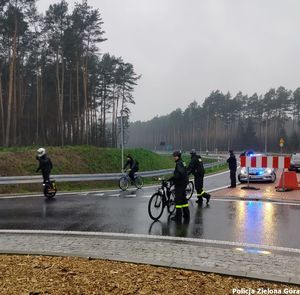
{"type": "Point", "coordinates": [251, 199]}
{"type": "Point", "coordinates": [255, 199]}
{"type": "Point", "coordinates": [126, 251]}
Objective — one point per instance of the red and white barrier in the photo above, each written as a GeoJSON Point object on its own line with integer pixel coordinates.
{"type": "Point", "coordinates": [266, 162]}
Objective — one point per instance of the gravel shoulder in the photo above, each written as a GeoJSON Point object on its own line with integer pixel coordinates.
{"type": "Point", "coordinates": [36, 275]}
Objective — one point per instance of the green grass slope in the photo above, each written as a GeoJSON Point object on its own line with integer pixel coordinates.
{"type": "Point", "coordinates": [77, 160]}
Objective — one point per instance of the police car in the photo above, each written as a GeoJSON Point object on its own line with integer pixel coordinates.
{"type": "Point", "coordinates": [256, 174]}
{"type": "Point", "coordinates": [295, 162]}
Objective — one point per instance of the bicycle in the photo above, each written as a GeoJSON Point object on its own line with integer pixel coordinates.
{"type": "Point", "coordinates": [125, 180]}
{"type": "Point", "coordinates": [50, 189]}
{"type": "Point", "coordinates": [164, 197]}
{"type": "Point", "coordinates": [189, 189]}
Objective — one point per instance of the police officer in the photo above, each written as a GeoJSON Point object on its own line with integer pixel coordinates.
{"type": "Point", "coordinates": [232, 164]}
{"type": "Point", "coordinates": [180, 180]}
{"type": "Point", "coordinates": [45, 165]}
{"type": "Point", "coordinates": [133, 167]}
{"type": "Point", "coordinates": [197, 169]}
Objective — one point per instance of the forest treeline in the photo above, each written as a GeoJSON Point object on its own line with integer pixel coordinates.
{"type": "Point", "coordinates": [226, 122]}
{"type": "Point", "coordinates": [55, 86]}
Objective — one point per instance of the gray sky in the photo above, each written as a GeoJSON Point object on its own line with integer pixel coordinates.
{"type": "Point", "coordinates": [187, 48]}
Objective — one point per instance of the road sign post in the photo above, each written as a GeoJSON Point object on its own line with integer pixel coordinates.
{"type": "Point", "coordinates": [282, 189]}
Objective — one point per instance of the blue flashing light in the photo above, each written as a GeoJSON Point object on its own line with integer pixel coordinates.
{"type": "Point", "coordinates": [250, 153]}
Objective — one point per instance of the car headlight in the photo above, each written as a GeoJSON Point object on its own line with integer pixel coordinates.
{"type": "Point", "coordinates": [268, 171]}
{"type": "Point", "coordinates": [244, 171]}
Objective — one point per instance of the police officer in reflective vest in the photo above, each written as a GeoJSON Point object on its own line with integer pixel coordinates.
{"type": "Point", "coordinates": [197, 169]}
{"type": "Point", "coordinates": [180, 180]}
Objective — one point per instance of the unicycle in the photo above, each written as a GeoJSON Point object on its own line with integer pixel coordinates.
{"type": "Point", "coordinates": [50, 189]}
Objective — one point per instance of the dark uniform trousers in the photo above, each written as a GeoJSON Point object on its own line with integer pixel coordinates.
{"type": "Point", "coordinates": [182, 205]}
{"type": "Point", "coordinates": [180, 197]}
{"type": "Point", "coordinates": [233, 178]}
{"type": "Point", "coordinates": [198, 180]}
{"type": "Point", "coordinates": [46, 175]}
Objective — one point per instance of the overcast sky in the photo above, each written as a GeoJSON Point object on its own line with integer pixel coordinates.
{"type": "Point", "coordinates": [185, 49]}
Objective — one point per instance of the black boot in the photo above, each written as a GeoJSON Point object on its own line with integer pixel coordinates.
{"type": "Point", "coordinates": [186, 213]}
{"type": "Point", "coordinates": [207, 197]}
{"type": "Point", "coordinates": [178, 216]}
{"type": "Point", "coordinates": [199, 201]}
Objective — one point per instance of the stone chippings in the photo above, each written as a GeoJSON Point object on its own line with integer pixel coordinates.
{"type": "Point", "coordinates": [284, 267]}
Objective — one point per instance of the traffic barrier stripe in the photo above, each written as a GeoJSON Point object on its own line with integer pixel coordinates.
{"type": "Point", "coordinates": [266, 162]}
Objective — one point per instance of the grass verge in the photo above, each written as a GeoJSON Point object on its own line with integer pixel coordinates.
{"type": "Point", "coordinates": [80, 160]}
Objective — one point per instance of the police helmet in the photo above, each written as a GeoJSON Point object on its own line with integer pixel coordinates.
{"type": "Point", "coordinates": [41, 152]}
{"type": "Point", "coordinates": [177, 154]}
{"type": "Point", "coordinates": [193, 152]}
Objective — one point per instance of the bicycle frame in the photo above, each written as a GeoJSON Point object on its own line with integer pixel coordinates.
{"type": "Point", "coordinates": [165, 190]}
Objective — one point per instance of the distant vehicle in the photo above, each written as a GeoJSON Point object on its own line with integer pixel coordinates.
{"type": "Point", "coordinates": [295, 162]}
{"type": "Point", "coordinates": [257, 174]}
{"type": "Point", "coordinates": [247, 153]}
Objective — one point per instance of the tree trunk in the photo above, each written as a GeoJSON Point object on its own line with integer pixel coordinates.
{"type": "Point", "coordinates": [70, 141]}
{"type": "Point", "coordinates": [77, 103]}
{"type": "Point", "coordinates": [10, 87]}
{"type": "Point", "coordinates": [37, 104]}
{"type": "Point", "coordinates": [2, 111]}
{"type": "Point", "coordinates": [42, 109]}
{"type": "Point", "coordinates": [61, 107]}
{"type": "Point", "coordinates": [85, 84]}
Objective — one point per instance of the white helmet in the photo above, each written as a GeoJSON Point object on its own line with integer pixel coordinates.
{"type": "Point", "coordinates": [41, 152]}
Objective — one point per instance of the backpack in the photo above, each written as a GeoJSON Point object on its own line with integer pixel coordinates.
{"type": "Point", "coordinates": [137, 165]}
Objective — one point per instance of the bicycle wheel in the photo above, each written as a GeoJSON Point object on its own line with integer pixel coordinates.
{"type": "Point", "coordinates": [156, 206]}
{"type": "Point", "coordinates": [123, 183]}
{"type": "Point", "coordinates": [171, 203]}
{"type": "Point", "coordinates": [138, 182]}
{"type": "Point", "coordinates": [189, 190]}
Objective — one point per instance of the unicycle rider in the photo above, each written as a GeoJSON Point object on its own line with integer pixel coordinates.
{"type": "Point", "coordinates": [45, 165]}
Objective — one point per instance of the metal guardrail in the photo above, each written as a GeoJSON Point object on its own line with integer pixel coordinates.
{"type": "Point", "coordinates": [89, 177]}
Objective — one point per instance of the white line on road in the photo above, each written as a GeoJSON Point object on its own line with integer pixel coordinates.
{"type": "Point", "coordinates": [153, 237]}
{"type": "Point", "coordinates": [114, 195]}
{"type": "Point", "coordinates": [217, 174]}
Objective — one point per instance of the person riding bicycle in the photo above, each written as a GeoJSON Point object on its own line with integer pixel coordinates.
{"type": "Point", "coordinates": [133, 167]}
{"type": "Point", "coordinates": [45, 165]}
{"type": "Point", "coordinates": [180, 179]}
{"type": "Point", "coordinates": [197, 169]}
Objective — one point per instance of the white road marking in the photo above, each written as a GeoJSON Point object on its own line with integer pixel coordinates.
{"type": "Point", "coordinates": [217, 189]}
{"type": "Point", "coordinates": [217, 174]}
{"type": "Point", "coordinates": [152, 237]}
{"type": "Point", "coordinates": [208, 176]}
{"type": "Point", "coordinates": [41, 195]}
{"type": "Point", "coordinates": [114, 195]}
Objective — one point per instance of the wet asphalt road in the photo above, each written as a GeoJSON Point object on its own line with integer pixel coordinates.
{"type": "Point", "coordinates": [239, 221]}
